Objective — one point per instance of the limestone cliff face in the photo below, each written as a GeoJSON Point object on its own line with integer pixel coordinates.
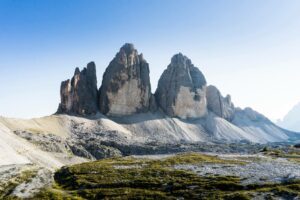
{"type": "Point", "coordinates": [223, 107]}
{"type": "Point", "coordinates": [126, 86]}
{"type": "Point", "coordinates": [80, 94]}
{"type": "Point", "coordinates": [182, 89]}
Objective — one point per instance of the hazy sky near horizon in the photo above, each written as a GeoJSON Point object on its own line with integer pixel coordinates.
{"type": "Point", "coordinates": [247, 48]}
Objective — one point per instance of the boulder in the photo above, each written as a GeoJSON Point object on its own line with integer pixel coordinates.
{"type": "Point", "coordinates": [221, 106]}
{"type": "Point", "coordinates": [182, 89]}
{"type": "Point", "coordinates": [80, 94]}
{"type": "Point", "coordinates": [125, 88]}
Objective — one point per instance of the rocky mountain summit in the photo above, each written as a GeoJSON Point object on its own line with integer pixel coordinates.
{"type": "Point", "coordinates": [126, 88]}
{"type": "Point", "coordinates": [181, 89]}
{"type": "Point", "coordinates": [80, 95]}
{"type": "Point", "coordinates": [183, 108]}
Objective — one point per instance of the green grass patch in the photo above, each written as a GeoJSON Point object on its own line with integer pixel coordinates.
{"type": "Point", "coordinates": [139, 178]}
{"type": "Point", "coordinates": [291, 153]}
{"type": "Point", "coordinates": [7, 188]}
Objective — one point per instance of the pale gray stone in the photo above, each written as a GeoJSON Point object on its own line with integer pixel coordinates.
{"type": "Point", "coordinates": [181, 89]}
{"type": "Point", "coordinates": [126, 86]}
{"type": "Point", "coordinates": [223, 107]}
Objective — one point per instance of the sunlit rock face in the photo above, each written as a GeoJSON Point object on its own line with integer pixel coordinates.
{"type": "Point", "coordinates": [182, 89]}
{"type": "Point", "coordinates": [126, 86]}
{"type": "Point", "coordinates": [80, 95]}
{"type": "Point", "coordinates": [223, 107]}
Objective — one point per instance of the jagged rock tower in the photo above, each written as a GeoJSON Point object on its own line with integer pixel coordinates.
{"type": "Point", "coordinates": [125, 86]}
{"type": "Point", "coordinates": [223, 107]}
{"type": "Point", "coordinates": [80, 94]}
{"type": "Point", "coordinates": [181, 89]}
{"type": "Point", "coordinates": [126, 89]}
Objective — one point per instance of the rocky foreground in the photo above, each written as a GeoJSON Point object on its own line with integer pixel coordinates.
{"type": "Point", "coordinates": [173, 176]}
{"type": "Point", "coordinates": [34, 151]}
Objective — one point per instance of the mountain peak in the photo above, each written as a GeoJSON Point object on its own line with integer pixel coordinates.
{"type": "Point", "coordinates": [125, 86]}
{"type": "Point", "coordinates": [80, 94]}
{"type": "Point", "coordinates": [181, 89]}
{"type": "Point", "coordinates": [180, 60]}
{"type": "Point", "coordinates": [128, 48]}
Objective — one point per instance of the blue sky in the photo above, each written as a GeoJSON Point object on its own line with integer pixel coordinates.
{"type": "Point", "coordinates": [247, 48]}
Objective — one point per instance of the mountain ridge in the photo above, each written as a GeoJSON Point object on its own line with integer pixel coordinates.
{"type": "Point", "coordinates": [78, 130]}
{"type": "Point", "coordinates": [182, 92]}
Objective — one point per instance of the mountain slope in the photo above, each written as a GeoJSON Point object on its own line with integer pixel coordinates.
{"type": "Point", "coordinates": [16, 150]}
{"type": "Point", "coordinates": [291, 120]}
{"type": "Point", "coordinates": [154, 127]}
{"type": "Point", "coordinates": [260, 128]}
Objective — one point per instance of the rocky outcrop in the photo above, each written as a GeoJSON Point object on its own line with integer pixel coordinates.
{"type": "Point", "coordinates": [126, 86]}
{"type": "Point", "coordinates": [223, 107]}
{"type": "Point", "coordinates": [251, 115]}
{"type": "Point", "coordinates": [181, 89]}
{"type": "Point", "coordinates": [80, 94]}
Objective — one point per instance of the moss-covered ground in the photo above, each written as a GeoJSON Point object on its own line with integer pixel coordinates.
{"type": "Point", "coordinates": [290, 153]}
{"type": "Point", "coordinates": [136, 178]}
{"type": "Point", "coordinates": [6, 188]}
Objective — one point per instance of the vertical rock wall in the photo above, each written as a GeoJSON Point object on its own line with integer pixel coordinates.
{"type": "Point", "coordinates": [126, 86]}
{"type": "Point", "coordinates": [80, 94]}
{"type": "Point", "coordinates": [223, 107]}
{"type": "Point", "coordinates": [181, 89]}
